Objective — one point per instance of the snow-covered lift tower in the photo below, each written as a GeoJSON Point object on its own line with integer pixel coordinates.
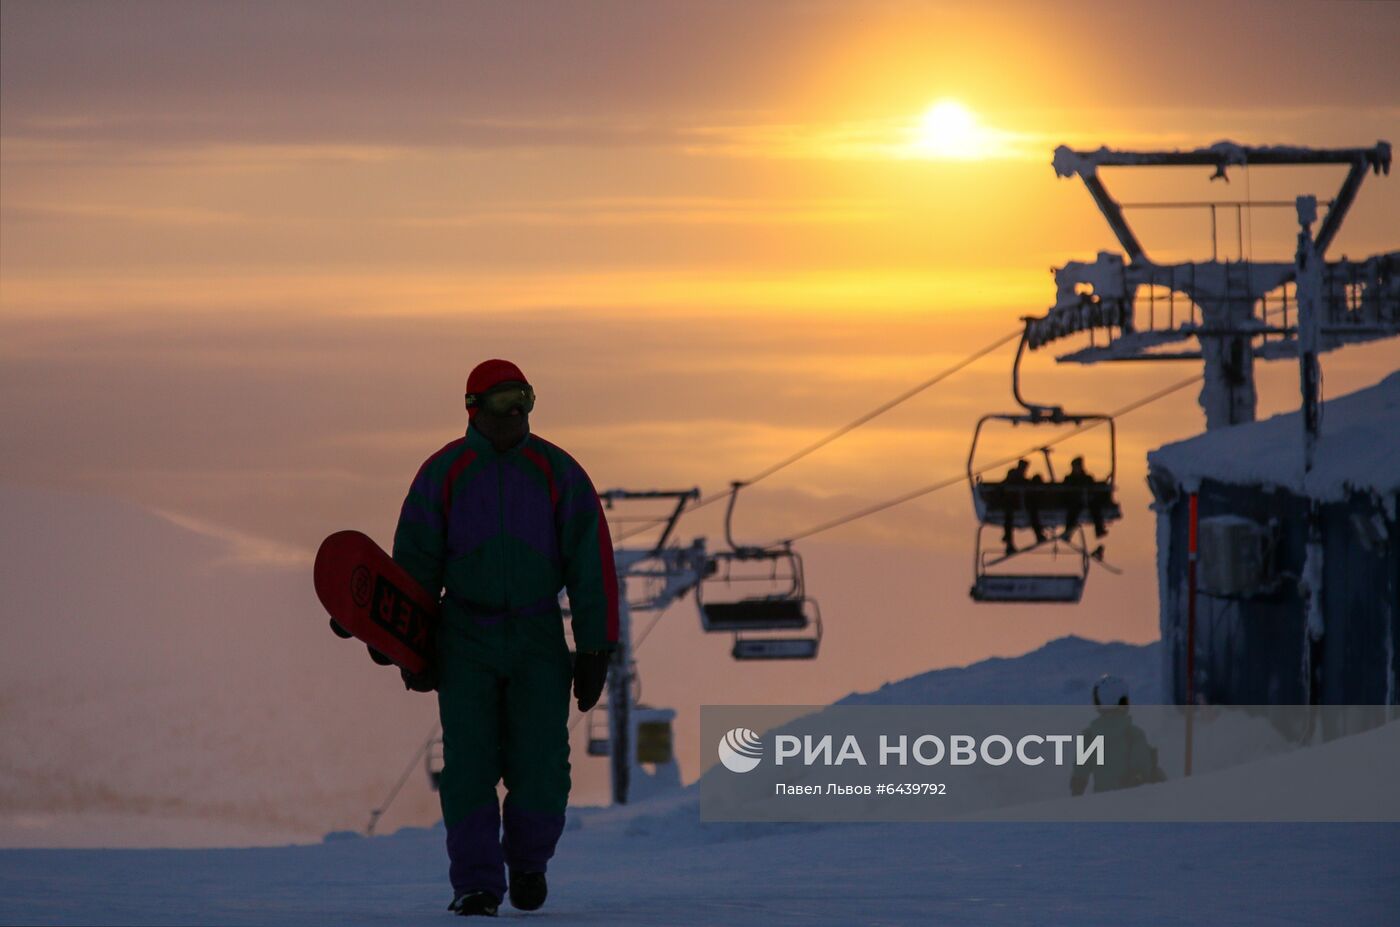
{"type": "Point", "coordinates": [1235, 310]}
{"type": "Point", "coordinates": [649, 579]}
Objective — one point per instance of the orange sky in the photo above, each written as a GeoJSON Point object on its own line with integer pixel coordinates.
{"type": "Point", "coordinates": [247, 260]}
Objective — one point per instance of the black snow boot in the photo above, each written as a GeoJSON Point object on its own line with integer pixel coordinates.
{"type": "Point", "coordinates": [475, 902]}
{"type": "Point", "coordinates": [527, 890]}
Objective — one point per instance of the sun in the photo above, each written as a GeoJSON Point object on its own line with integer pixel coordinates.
{"type": "Point", "coordinates": [948, 130]}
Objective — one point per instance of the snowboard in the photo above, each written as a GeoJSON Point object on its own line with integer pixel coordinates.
{"type": "Point", "coordinates": [375, 600]}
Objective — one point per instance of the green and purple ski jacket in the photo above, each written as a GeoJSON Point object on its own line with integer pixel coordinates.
{"type": "Point", "coordinates": [500, 534]}
{"type": "Point", "coordinates": [504, 532]}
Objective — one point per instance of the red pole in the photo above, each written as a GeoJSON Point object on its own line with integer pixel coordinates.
{"type": "Point", "coordinates": [1191, 554]}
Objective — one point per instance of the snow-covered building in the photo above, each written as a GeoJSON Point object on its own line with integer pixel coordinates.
{"type": "Point", "coordinates": [1274, 619]}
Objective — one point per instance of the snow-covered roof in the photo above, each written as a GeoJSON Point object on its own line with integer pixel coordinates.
{"type": "Point", "coordinates": [1358, 449]}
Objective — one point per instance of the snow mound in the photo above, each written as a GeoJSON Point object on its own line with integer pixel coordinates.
{"type": "Point", "coordinates": [1062, 672]}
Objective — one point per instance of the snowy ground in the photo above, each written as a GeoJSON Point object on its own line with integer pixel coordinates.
{"type": "Point", "coordinates": [622, 868]}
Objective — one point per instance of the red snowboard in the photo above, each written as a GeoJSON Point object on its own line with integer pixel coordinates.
{"type": "Point", "coordinates": [375, 599]}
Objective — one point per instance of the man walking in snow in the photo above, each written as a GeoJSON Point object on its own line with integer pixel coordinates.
{"type": "Point", "coordinates": [500, 521]}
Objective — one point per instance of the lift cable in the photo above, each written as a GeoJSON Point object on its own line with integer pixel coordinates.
{"type": "Point", "coordinates": [642, 638]}
{"type": "Point", "coordinates": [376, 813]}
{"type": "Point", "coordinates": [962, 477]}
{"type": "Point", "coordinates": [848, 427]}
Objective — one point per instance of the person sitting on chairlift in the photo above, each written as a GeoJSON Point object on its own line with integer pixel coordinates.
{"type": "Point", "coordinates": [1012, 499]}
{"type": "Point", "coordinates": [1084, 493]}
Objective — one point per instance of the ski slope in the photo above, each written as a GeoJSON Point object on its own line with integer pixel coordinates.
{"type": "Point", "coordinates": [638, 865]}
{"type": "Point", "coordinates": [655, 863]}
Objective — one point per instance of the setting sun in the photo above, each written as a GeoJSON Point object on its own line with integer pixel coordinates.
{"type": "Point", "coordinates": [948, 130]}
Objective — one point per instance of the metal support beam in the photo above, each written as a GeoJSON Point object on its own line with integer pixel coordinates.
{"type": "Point", "coordinates": [1221, 155]}
{"type": "Point", "coordinates": [620, 699]}
{"type": "Point", "coordinates": [1309, 277]}
{"type": "Point", "coordinates": [1114, 214]}
{"type": "Point", "coordinates": [681, 497]}
{"type": "Point", "coordinates": [1345, 197]}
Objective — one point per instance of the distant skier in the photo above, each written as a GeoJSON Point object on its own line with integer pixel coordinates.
{"type": "Point", "coordinates": [1082, 493]}
{"type": "Point", "coordinates": [1129, 760]}
{"type": "Point", "coordinates": [1018, 491]}
{"type": "Point", "coordinates": [502, 520]}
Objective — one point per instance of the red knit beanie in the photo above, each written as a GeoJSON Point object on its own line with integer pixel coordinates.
{"type": "Point", "coordinates": [488, 373]}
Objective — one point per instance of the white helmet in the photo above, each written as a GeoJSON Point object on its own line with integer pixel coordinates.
{"type": "Point", "coordinates": [1110, 691]}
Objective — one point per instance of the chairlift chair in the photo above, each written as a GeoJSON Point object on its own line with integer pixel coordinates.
{"type": "Point", "coordinates": [1053, 499]}
{"type": "Point", "coordinates": [992, 498]}
{"type": "Point", "coordinates": [1043, 586]}
{"type": "Point", "coordinates": [784, 647]}
{"type": "Point", "coordinates": [1058, 507]}
{"type": "Point", "coordinates": [654, 736]}
{"type": "Point", "coordinates": [771, 597]}
{"type": "Point", "coordinates": [779, 604]}
{"type": "Point", "coordinates": [597, 725]}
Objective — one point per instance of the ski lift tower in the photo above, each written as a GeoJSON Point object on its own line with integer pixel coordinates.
{"type": "Point", "coordinates": [661, 575]}
{"type": "Point", "coordinates": [1235, 310]}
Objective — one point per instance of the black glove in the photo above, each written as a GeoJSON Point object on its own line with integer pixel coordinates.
{"type": "Point", "coordinates": [590, 675]}
{"type": "Point", "coordinates": [425, 681]}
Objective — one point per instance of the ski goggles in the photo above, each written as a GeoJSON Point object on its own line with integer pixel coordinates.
{"type": "Point", "coordinates": [500, 400]}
